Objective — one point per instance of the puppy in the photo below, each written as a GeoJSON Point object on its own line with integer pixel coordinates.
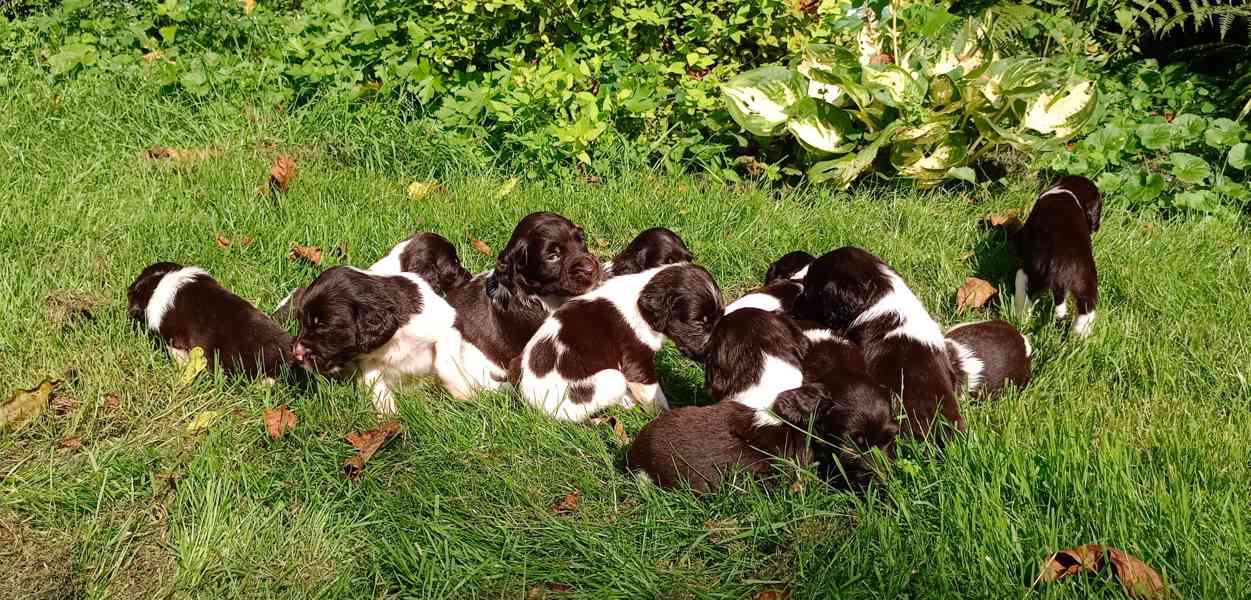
{"type": "Point", "coordinates": [186, 308]}
{"type": "Point", "coordinates": [427, 255]}
{"type": "Point", "coordinates": [754, 355]}
{"type": "Point", "coordinates": [855, 293]}
{"type": "Point", "coordinates": [1055, 251]}
{"type": "Point", "coordinates": [544, 263]}
{"type": "Point", "coordinates": [389, 326]}
{"type": "Point", "coordinates": [652, 248]}
{"type": "Point", "coordinates": [783, 284]}
{"type": "Point", "coordinates": [598, 350]}
{"type": "Point", "coordinates": [990, 355]}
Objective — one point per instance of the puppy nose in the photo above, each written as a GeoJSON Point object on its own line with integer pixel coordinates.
{"type": "Point", "coordinates": [299, 351]}
{"type": "Point", "coordinates": [585, 268]}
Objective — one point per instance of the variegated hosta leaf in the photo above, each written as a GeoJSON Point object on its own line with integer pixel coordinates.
{"type": "Point", "coordinates": [928, 163]}
{"type": "Point", "coordinates": [820, 127]}
{"type": "Point", "coordinates": [828, 63]}
{"type": "Point", "coordinates": [1064, 112]}
{"type": "Point", "coordinates": [966, 57]}
{"type": "Point", "coordinates": [1011, 78]}
{"type": "Point", "coordinates": [869, 39]}
{"type": "Point", "coordinates": [759, 99]}
{"type": "Point", "coordinates": [827, 92]}
{"type": "Point", "coordinates": [894, 86]}
{"type": "Point", "coordinates": [844, 170]}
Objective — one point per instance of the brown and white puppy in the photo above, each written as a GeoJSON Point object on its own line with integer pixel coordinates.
{"type": "Point", "coordinates": [652, 248]}
{"type": "Point", "coordinates": [856, 293]}
{"type": "Point", "coordinates": [544, 263]}
{"type": "Point", "coordinates": [990, 355]}
{"type": "Point", "coordinates": [599, 349]}
{"type": "Point", "coordinates": [784, 281]}
{"type": "Point", "coordinates": [186, 309]}
{"type": "Point", "coordinates": [427, 255]}
{"type": "Point", "coordinates": [390, 326]}
{"type": "Point", "coordinates": [1056, 254]}
{"type": "Point", "coordinates": [753, 356]}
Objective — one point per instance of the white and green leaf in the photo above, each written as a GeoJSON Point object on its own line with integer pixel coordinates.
{"type": "Point", "coordinates": [820, 127]}
{"type": "Point", "coordinates": [1063, 112]}
{"type": "Point", "coordinates": [759, 99]}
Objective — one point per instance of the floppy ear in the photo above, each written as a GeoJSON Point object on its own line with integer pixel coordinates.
{"type": "Point", "coordinates": [1093, 207]}
{"type": "Point", "coordinates": [800, 405]}
{"type": "Point", "coordinates": [374, 326]}
{"type": "Point", "coordinates": [509, 265]}
{"type": "Point", "coordinates": [655, 306]}
{"type": "Point", "coordinates": [451, 275]}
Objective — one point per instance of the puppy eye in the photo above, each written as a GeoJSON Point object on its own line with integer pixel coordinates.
{"type": "Point", "coordinates": [553, 256]}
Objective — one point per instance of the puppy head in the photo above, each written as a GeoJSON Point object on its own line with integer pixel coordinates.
{"type": "Point", "coordinates": [840, 285]}
{"type": "Point", "coordinates": [682, 302]}
{"type": "Point", "coordinates": [546, 256]}
{"type": "Point", "coordinates": [652, 248]}
{"type": "Point", "coordinates": [140, 292]}
{"type": "Point", "coordinates": [1087, 195]}
{"type": "Point", "coordinates": [346, 312]}
{"type": "Point", "coordinates": [851, 420]}
{"type": "Point", "coordinates": [738, 341]}
{"type": "Point", "coordinates": [792, 265]}
{"type": "Point", "coordinates": [434, 258]}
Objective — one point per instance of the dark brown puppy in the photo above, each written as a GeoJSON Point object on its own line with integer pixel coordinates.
{"type": "Point", "coordinates": [1055, 251]}
{"type": "Point", "coordinates": [186, 309]}
{"type": "Point", "coordinates": [991, 355]}
{"type": "Point", "coordinates": [856, 293]}
{"type": "Point", "coordinates": [652, 248]}
{"type": "Point", "coordinates": [783, 283]}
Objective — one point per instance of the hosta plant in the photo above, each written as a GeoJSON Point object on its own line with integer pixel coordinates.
{"type": "Point", "coordinates": [933, 109]}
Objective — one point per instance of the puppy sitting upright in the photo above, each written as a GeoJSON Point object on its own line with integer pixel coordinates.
{"type": "Point", "coordinates": [784, 281]}
{"type": "Point", "coordinates": [390, 326]}
{"type": "Point", "coordinates": [991, 355]}
{"type": "Point", "coordinates": [186, 308]}
{"type": "Point", "coordinates": [598, 350]}
{"type": "Point", "coordinates": [1056, 254]}
{"type": "Point", "coordinates": [853, 291]}
{"type": "Point", "coordinates": [652, 248]}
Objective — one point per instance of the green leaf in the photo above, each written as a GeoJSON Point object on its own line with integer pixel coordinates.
{"type": "Point", "coordinates": [963, 174]}
{"type": "Point", "coordinates": [1222, 133]}
{"type": "Point", "coordinates": [1154, 136]}
{"type": "Point", "coordinates": [1189, 168]}
{"type": "Point", "coordinates": [1197, 200]}
{"type": "Point", "coordinates": [1143, 188]}
{"type": "Point", "coordinates": [759, 99]}
{"type": "Point", "coordinates": [1189, 127]}
{"type": "Point", "coordinates": [1064, 112]}
{"type": "Point", "coordinates": [820, 127]}
{"type": "Point", "coordinates": [893, 85]}
{"type": "Point", "coordinates": [1238, 156]}
{"type": "Point", "coordinates": [843, 171]}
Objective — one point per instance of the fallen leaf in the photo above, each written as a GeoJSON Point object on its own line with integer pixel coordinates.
{"type": "Point", "coordinates": [112, 402]}
{"type": "Point", "coordinates": [797, 486]}
{"type": "Point", "coordinates": [154, 55]}
{"type": "Point", "coordinates": [341, 251]}
{"type": "Point", "coordinates": [66, 308]}
{"type": "Point", "coordinates": [974, 294]}
{"type": "Point", "coordinates": [196, 364]}
{"type": "Point", "coordinates": [619, 430]}
{"type": "Point", "coordinates": [480, 246]}
{"type": "Point", "coordinates": [280, 175]}
{"type": "Point", "coordinates": [223, 242]}
{"type": "Point", "coordinates": [310, 254]}
{"type": "Point", "coordinates": [203, 421]}
{"type": "Point", "coordinates": [752, 166]}
{"type": "Point", "coordinates": [63, 405]}
{"type": "Point", "coordinates": [1137, 578]}
{"type": "Point", "coordinates": [771, 594]}
{"type": "Point", "coordinates": [1149, 228]}
{"type": "Point", "coordinates": [366, 444]}
{"type": "Point", "coordinates": [25, 405]}
{"type": "Point", "coordinates": [238, 413]}
{"type": "Point", "coordinates": [248, 7]}
{"type": "Point", "coordinates": [682, 188]}
{"type": "Point", "coordinates": [539, 592]}
{"type": "Point", "coordinates": [160, 153]}
{"type": "Point", "coordinates": [506, 188]}
{"type": "Point", "coordinates": [568, 503]}
{"type": "Point", "coordinates": [420, 189]}
{"type": "Point", "coordinates": [246, 241]}
{"type": "Point", "coordinates": [70, 443]}
{"type": "Point", "coordinates": [967, 255]}
{"type": "Point", "coordinates": [279, 420]}
{"type": "Point", "coordinates": [593, 179]}
{"type": "Point", "coordinates": [1008, 219]}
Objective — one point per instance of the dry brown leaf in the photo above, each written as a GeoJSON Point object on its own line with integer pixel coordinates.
{"type": "Point", "coordinates": [341, 251]}
{"type": "Point", "coordinates": [112, 402]}
{"type": "Point", "coordinates": [248, 7]}
{"type": "Point", "coordinates": [25, 405]}
{"type": "Point", "coordinates": [154, 55]}
{"type": "Point", "coordinates": [967, 255]}
{"type": "Point", "coordinates": [66, 308]}
{"type": "Point", "coordinates": [751, 166]}
{"type": "Point", "coordinates": [63, 405]}
{"type": "Point", "coordinates": [593, 179]}
{"type": "Point", "coordinates": [974, 294]}
{"type": "Point", "coordinates": [1008, 219]}
{"type": "Point", "coordinates": [797, 486]}
{"type": "Point", "coordinates": [70, 443]}
{"type": "Point", "coordinates": [539, 592]}
{"type": "Point", "coordinates": [246, 241]}
{"type": "Point", "coordinates": [568, 503]}
{"type": "Point", "coordinates": [279, 420]}
{"type": "Point", "coordinates": [771, 594]}
{"type": "Point", "coordinates": [619, 431]}
{"type": "Point", "coordinates": [280, 175]}
{"type": "Point", "coordinates": [480, 246]}
{"type": "Point", "coordinates": [366, 444]}
{"type": "Point", "coordinates": [1137, 578]}
{"type": "Point", "coordinates": [310, 254]}
{"type": "Point", "coordinates": [222, 241]}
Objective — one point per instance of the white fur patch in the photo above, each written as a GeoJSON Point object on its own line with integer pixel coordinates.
{"type": "Point", "coordinates": [1029, 350]}
{"type": "Point", "coordinates": [1061, 190]}
{"type": "Point", "coordinates": [1062, 307]}
{"type": "Point", "coordinates": [284, 301]}
{"type": "Point", "coordinates": [800, 274]}
{"type": "Point", "coordinates": [390, 264]}
{"type": "Point", "coordinates": [759, 300]}
{"type": "Point", "coordinates": [820, 335]}
{"type": "Point", "coordinates": [163, 296]}
{"type": "Point", "coordinates": [1084, 324]}
{"type": "Point", "coordinates": [972, 366]}
{"type": "Point", "coordinates": [916, 323]}
{"type": "Point", "coordinates": [776, 376]}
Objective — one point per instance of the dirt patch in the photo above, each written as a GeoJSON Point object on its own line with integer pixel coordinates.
{"type": "Point", "coordinates": [36, 564]}
{"type": "Point", "coordinates": [148, 573]}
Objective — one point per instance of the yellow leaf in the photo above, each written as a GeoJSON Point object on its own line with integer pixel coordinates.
{"type": "Point", "coordinates": [249, 6]}
{"type": "Point", "coordinates": [202, 421]}
{"type": "Point", "coordinates": [506, 188]}
{"type": "Point", "coordinates": [420, 189]}
{"type": "Point", "coordinates": [196, 364]}
{"type": "Point", "coordinates": [25, 405]}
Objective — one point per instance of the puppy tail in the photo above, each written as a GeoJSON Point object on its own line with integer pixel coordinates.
{"type": "Point", "coordinates": [1029, 350]}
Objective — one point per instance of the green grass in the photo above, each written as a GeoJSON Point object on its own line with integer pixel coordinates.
{"type": "Point", "coordinates": [1137, 438]}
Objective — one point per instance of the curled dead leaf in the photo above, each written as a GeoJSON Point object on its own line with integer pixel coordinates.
{"type": "Point", "coordinates": [619, 431]}
{"type": "Point", "coordinates": [66, 308]}
{"type": "Point", "coordinates": [154, 56]}
{"type": "Point", "coordinates": [64, 405]}
{"type": "Point", "coordinates": [24, 405]}
{"type": "Point", "coordinates": [279, 420]}
{"type": "Point", "coordinates": [420, 189]}
{"type": "Point", "coordinates": [480, 246]}
{"type": "Point", "coordinates": [1137, 578]}
{"type": "Point", "coordinates": [70, 444]}
{"type": "Point", "coordinates": [593, 180]}
{"type": "Point", "coordinates": [203, 421]}
{"type": "Point", "coordinates": [112, 402]}
{"type": "Point", "coordinates": [974, 294]}
{"type": "Point", "coordinates": [568, 503]}
{"type": "Point", "coordinates": [966, 256]}
{"type": "Point", "coordinates": [366, 444]}
{"type": "Point", "coordinates": [222, 241]}
{"type": "Point", "coordinates": [310, 254]}
{"type": "Point", "coordinates": [751, 166]}
{"type": "Point", "coordinates": [246, 241]}
{"type": "Point", "coordinates": [1009, 220]}
{"type": "Point", "coordinates": [280, 175]}
{"type": "Point", "coordinates": [196, 363]}
{"type": "Point", "coordinates": [771, 594]}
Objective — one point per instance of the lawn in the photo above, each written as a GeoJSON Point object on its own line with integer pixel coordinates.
{"type": "Point", "coordinates": [1137, 437]}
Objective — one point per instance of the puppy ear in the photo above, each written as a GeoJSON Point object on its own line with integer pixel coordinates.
{"type": "Point", "coordinates": [451, 275]}
{"type": "Point", "coordinates": [510, 264]}
{"type": "Point", "coordinates": [800, 405]}
{"type": "Point", "coordinates": [374, 326]}
{"type": "Point", "coordinates": [655, 305]}
{"type": "Point", "coordinates": [1093, 207]}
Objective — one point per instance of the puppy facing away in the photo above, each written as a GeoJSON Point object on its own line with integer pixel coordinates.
{"type": "Point", "coordinates": [598, 350]}
{"type": "Point", "coordinates": [427, 255]}
{"type": "Point", "coordinates": [652, 248]}
{"type": "Point", "coordinates": [1055, 251]}
{"type": "Point", "coordinates": [186, 308]}
{"type": "Point", "coordinates": [783, 284]}
{"type": "Point", "coordinates": [989, 355]}
{"type": "Point", "coordinates": [856, 293]}
{"type": "Point", "coordinates": [544, 263]}
{"type": "Point", "coordinates": [388, 325]}
{"type": "Point", "coordinates": [754, 355]}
